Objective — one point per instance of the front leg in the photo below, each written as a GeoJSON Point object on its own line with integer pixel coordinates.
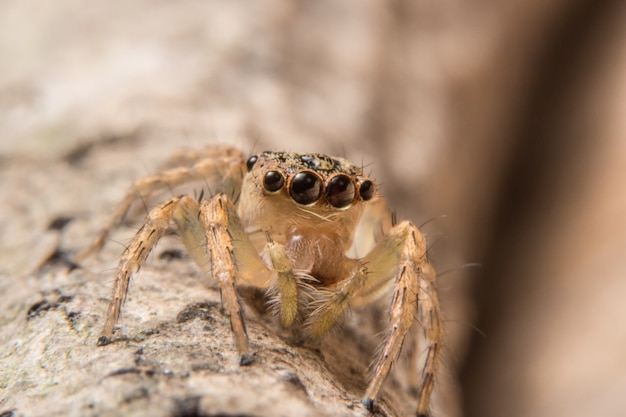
{"type": "Point", "coordinates": [430, 319]}
{"type": "Point", "coordinates": [215, 238]}
{"type": "Point", "coordinates": [220, 253]}
{"type": "Point", "coordinates": [204, 231]}
{"type": "Point", "coordinates": [414, 292]}
{"type": "Point", "coordinates": [208, 232]}
{"type": "Point", "coordinates": [399, 259]}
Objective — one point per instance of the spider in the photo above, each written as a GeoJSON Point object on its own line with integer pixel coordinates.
{"type": "Point", "coordinates": [309, 229]}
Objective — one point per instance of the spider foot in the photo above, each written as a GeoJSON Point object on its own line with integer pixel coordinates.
{"type": "Point", "coordinates": [369, 404]}
{"type": "Point", "coordinates": [246, 359]}
{"type": "Point", "coordinates": [103, 341]}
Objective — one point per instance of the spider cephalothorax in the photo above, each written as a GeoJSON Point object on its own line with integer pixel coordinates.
{"type": "Point", "coordinates": [315, 201]}
{"type": "Point", "coordinates": [309, 229]}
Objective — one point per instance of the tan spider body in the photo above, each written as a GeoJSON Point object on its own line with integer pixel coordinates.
{"type": "Point", "coordinates": [309, 229]}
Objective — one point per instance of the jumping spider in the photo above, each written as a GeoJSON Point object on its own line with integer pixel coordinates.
{"type": "Point", "coordinates": [309, 229]}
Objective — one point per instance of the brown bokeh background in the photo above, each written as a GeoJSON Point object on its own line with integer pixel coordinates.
{"type": "Point", "coordinates": [506, 117]}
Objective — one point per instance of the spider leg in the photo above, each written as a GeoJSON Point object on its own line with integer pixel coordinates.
{"type": "Point", "coordinates": [429, 316]}
{"type": "Point", "coordinates": [368, 279]}
{"type": "Point", "coordinates": [207, 231]}
{"type": "Point", "coordinates": [134, 255]}
{"type": "Point", "coordinates": [220, 167]}
{"type": "Point", "coordinates": [398, 259]}
{"type": "Point", "coordinates": [414, 291]}
{"type": "Point", "coordinates": [216, 240]}
{"type": "Point", "coordinates": [218, 259]}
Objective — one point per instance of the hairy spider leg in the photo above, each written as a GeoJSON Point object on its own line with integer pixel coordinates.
{"type": "Point", "coordinates": [220, 167]}
{"type": "Point", "coordinates": [133, 257]}
{"type": "Point", "coordinates": [430, 318]}
{"type": "Point", "coordinates": [414, 293]}
{"type": "Point", "coordinates": [399, 256]}
{"type": "Point", "coordinates": [227, 254]}
{"type": "Point", "coordinates": [215, 239]}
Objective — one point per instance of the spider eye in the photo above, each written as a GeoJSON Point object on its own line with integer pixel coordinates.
{"type": "Point", "coordinates": [366, 189]}
{"type": "Point", "coordinates": [251, 161]}
{"type": "Point", "coordinates": [273, 181]}
{"type": "Point", "coordinates": [340, 191]}
{"type": "Point", "coordinates": [306, 188]}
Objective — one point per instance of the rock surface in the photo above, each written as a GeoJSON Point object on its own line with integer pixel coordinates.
{"type": "Point", "coordinates": [507, 117]}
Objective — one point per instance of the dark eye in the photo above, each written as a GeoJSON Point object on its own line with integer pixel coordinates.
{"type": "Point", "coordinates": [340, 192]}
{"type": "Point", "coordinates": [273, 181]}
{"type": "Point", "coordinates": [366, 189]}
{"type": "Point", "coordinates": [251, 161]}
{"type": "Point", "coordinates": [306, 188]}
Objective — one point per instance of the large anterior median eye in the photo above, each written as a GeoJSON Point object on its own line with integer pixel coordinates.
{"type": "Point", "coordinates": [340, 191]}
{"type": "Point", "coordinates": [273, 181]}
{"type": "Point", "coordinates": [306, 188]}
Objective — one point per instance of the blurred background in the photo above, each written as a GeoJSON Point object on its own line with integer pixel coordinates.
{"type": "Point", "coordinates": [501, 124]}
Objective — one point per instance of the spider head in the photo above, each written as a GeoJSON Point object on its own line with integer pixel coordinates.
{"type": "Point", "coordinates": [282, 188]}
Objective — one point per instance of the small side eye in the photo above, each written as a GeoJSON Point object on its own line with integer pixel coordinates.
{"type": "Point", "coordinates": [340, 191]}
{"type": "Point", "coordinates": [251, 161]}
{"type": "Point", "coordinates": [306, 188]}
{"type": "Point", "coordinates": [366, 189]}
{"type": "Point", "coordinates": [273, 181]}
